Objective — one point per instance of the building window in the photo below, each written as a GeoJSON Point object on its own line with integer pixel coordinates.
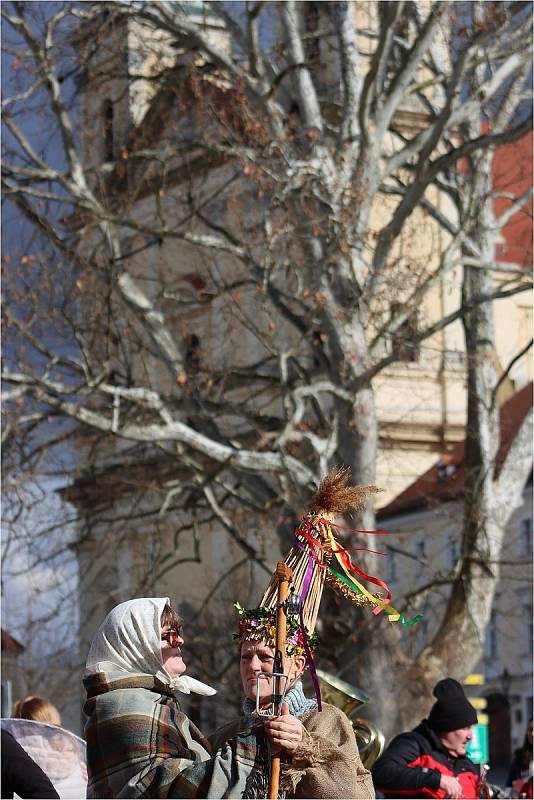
{"type": "Point", "coordinates": [422, 634]}
{"type": "Point", "coordinates": [311, 44]}
{"type": "Point", "coordinates": [527, 629]}
{"type": "Point", "coordinates": [452, 553]}
{"type": "Point", "coordinates": [445, 468]}
{"type": "Point", "coordinates": [107, 124]}
{"type": "Point", "coordinates": [420, 556]}
{"type": "Point", "coordinates": [490, 643]}
{"type": "Point", "coordinates": [6, 698]}
{"type": "Point", "coordinates": [392, 567]}
{"type": "Point", "coordinates": [525, 538]}
{"type": "Point", "coordinates": [403, 344]}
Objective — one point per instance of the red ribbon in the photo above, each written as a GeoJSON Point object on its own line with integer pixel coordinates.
{"type": "Point", "coordinates": [377, 532]}
{"type": "Point", "coordinates": [304, 531]}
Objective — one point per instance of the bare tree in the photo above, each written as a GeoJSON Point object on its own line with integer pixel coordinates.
{"type": "Point", "coordinates": [218, 275]}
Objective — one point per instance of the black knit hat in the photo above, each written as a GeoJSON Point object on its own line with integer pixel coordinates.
{"type": "Point", "coordinates": [452, 710]}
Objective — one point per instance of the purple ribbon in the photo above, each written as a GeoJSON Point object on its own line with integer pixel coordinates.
{"type": "Point", "coordinates": [309, 654]}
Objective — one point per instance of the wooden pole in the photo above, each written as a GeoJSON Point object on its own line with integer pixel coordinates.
{"type": "Point", "coordinates": [284, 575]}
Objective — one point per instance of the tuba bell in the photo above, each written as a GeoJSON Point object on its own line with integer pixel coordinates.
{"type": "Point", "coordinates": [348, 698]}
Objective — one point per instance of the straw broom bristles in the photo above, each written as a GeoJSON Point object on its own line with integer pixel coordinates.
{"type": "Point", "coordinates": [332, 497]}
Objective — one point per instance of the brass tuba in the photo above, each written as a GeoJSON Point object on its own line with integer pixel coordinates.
{"type": "Point", "coordinates": [348, 698]}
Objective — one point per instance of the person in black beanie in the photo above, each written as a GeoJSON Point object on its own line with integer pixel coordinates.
{"type": "Point", "coordinates": [431, 760]}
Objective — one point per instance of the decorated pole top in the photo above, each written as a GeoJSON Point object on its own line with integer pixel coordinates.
{"type": "Point", "coordinates": [316, 556]}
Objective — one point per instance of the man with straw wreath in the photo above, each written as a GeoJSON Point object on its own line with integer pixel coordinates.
{"type": "Point", "coordinates": [316, 742]}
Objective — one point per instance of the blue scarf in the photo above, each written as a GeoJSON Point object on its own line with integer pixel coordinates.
{"type": "Point", "coordinates": [296, 699]}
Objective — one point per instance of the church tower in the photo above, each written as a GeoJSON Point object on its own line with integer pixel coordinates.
{"type": "Point", "coordinates": [124, 61]}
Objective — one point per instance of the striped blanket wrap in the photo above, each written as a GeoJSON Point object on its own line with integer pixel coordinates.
{"type": "Point", "coordinates": [140, 744]}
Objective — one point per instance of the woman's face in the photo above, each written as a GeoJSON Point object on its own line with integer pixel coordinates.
{"type": "Point", "coordinates": [171, 650]}
{"type": "Point", "coordinates": [257, 657]}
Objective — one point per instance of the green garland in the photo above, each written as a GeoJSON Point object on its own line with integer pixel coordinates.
{"type": "Point", "coordinates": [258, 625]}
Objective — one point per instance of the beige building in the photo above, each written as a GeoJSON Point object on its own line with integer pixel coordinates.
{"type": "Point", "coordinates": [425, 522]}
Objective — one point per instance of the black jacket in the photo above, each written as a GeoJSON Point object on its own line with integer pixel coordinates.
{"type": "Point", "coordinates": [21, 774]}
{"type": "Point", "coordinates": [422, 749]}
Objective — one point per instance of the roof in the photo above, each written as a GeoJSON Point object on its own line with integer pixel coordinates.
{"type": "Point", "coordinates": [445, 480]}
{"type": "Point", "coordinates": [9, 642]}
{"type": "Point", "coordinates": [512, 178]}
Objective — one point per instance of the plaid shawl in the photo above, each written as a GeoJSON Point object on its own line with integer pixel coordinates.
{"type": "Point", "coordinates": [139, 744]}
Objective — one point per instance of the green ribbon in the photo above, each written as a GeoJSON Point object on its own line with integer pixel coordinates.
{"type": "Point", "coordinates": [407, 623]}
{"type": "Point", "coordinates": [344, 579]}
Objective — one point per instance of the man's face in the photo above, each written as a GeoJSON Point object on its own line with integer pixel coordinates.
{"type": "Point", "coordinates": [456, 741]}
{"type": "Point", "coordinates": [171, 651]}
{"type": "Point", "coordinates": [258, 657]}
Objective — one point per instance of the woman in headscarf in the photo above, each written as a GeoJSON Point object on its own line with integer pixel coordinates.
{"type": "Point", "coordinates": [139, 742]}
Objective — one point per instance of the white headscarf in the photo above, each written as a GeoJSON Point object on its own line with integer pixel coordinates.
{"type": "Point", "coordinates": [129, 641]}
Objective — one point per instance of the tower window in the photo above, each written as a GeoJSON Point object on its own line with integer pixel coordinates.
{"type": "Point", "coordinates": [311, 16]}
{"type": "Point", "coordinates": [528, 638]}
{"type": "Point", "coordinates": [525, 541]}
{"type": "Point", "coordinates": [192, 353]}
{"type": "Point", "coordinates": [490, 643]}
{"type": "Point", "coordinates": [107, 120]}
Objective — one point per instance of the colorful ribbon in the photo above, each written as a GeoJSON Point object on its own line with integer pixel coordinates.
{"type": "Point", "coordinates": [348, 567]}
{"type": "Point", "coordinates": [356, 588]}
{"type": "Point", "coordinates": [345, 561]}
